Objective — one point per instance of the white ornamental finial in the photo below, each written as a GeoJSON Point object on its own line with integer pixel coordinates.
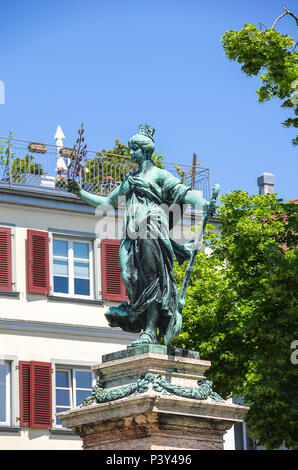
{"type": "Point", "coordinates": [59, 136]}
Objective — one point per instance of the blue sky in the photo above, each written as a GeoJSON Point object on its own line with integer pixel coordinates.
{"type": "Point", "coordinates": [115, 64]}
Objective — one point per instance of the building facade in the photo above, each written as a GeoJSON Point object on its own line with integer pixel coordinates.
{"type": "Point", "coordinates": [59, 272]}
{"type": "Point", "coordinates": [57, 278]}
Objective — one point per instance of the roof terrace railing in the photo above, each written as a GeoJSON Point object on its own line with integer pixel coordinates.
{"type": "Point", "coordinates": [38, 165]}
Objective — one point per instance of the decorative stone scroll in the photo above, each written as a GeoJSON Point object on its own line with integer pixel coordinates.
{"type": "Point", "coordinates": [204, 391]}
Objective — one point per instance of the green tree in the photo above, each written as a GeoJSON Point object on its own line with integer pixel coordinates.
{"type": "Point", "coordinates": [241, 311]}
{"type": "Point", "coordinates": [10, 163]}
{"type": "Point", "coordinates": [20, 166]}
{"type": "Point", "coordinates": [107, 168]}
{"type": "Point", "coordinates": [274, 55]}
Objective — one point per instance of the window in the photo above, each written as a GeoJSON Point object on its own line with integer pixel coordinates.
{"type": "Point", "coordinates": [72, 387]}
{"type": "Point", "coordinates": [72, 268]}
{"type": "Point", "coordinates": [5, 392]}
{"type": "Point", "coordinates": [242, 439]}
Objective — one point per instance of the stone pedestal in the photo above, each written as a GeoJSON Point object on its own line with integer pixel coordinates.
{"type": "Point", "coordinates": [153, 397]}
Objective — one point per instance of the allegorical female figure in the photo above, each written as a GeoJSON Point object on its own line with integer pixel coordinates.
{"type": "Point", "coordinates": [147, 252]}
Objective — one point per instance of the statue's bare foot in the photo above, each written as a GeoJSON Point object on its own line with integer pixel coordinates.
{"type": "Point", "coordinates": [144, 338]}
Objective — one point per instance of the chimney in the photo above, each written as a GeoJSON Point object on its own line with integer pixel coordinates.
{"type": "Point", "coordinates": [266, 183]}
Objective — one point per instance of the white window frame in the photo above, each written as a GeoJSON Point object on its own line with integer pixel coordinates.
{"type": "Point", "coordinates": [70, 241]}
{"type": "Point", "coordinates": [71, 371]}
{"type": "Point", "coordinates": [8, 390]}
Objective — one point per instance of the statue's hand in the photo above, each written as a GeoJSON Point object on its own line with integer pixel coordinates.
{"type": "Point", "coordinates": [211, 206]}
{"type": "Point", "coordinates": [73, 187]}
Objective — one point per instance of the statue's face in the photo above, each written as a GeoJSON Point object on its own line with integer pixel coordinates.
{"type": "Point", "coordinates": [136, 152]}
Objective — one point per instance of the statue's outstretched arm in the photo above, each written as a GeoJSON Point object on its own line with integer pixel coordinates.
{"type": "Point", "coordinates": [93, 199]}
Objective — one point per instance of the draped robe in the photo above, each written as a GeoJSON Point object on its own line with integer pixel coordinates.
{"type": "Point", "coordinates": [147, 252]}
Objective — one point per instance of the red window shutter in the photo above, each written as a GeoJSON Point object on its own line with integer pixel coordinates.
{"type": "Point", "coordinates": [5, 259]}
{"type": "Point", "coordinates": [38, 262]}
{"type": "Point", "coordinates": [41, 395]}
{"type": "Point", "coordinates": [112, 285]}
{"type": "Point", "coordinates": [24, 379]}
{"type": "Point", "coordinates": [35, 394]}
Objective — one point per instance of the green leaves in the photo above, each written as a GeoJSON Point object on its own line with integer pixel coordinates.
{"type": "Point", "coordinates": [271, 53]}
{"type": "Point", "coordinates": [17, 166]}
{"type": "Point", "coordinates": [241, 311]}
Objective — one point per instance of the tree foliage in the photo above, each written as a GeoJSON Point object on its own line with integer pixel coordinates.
{"type": "Point", "coordinates": [119, 150]}
{"type": "Point", "coordinates": [13, 167]}
{"type": "Point", "coordinates": [20, 166]}
{"type": "Point", "coordinates": [241, 311]}
{"type": "Point", "coordinates": [274, 55]}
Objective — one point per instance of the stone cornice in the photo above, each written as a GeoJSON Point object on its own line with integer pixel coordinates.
{"type": "Point", "coordinates": [158, 404]}
{"type": "Point", "coordinates": [83, 332]}
{"type": "Point", "coordinates": [52, 199]}
{"type": "Point", "coordinates": [46, 199]}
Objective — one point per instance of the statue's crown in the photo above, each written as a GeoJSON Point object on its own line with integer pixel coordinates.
{"type": "Point", "coordinates": [145, 129]}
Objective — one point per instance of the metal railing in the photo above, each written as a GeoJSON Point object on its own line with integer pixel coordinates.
{"type": "Point", "coordinates": [45, 166]}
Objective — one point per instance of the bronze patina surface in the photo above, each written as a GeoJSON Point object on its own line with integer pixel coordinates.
{"type": "Point", "coordinates": [147, 252]}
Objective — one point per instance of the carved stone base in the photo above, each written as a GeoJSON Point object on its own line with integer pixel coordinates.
{"type": "Point", "coordinates": [153, 398]}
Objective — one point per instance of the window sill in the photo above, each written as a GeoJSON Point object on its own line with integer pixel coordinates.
{"type": "Point", "coordinates": [6, 293]}
{"type": "Point", "coordinates": [57, 298]}
{"type": "Point", "coordinates": [62, 432]}
{"type": "Point", "coordinates": [10, 429]}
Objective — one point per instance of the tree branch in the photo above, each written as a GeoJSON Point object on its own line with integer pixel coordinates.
{"type": "Point", "coordinates": [291, 13]}
{"type": "Point", "coordinates": [287, 12]}
{"type": "Point", "coordinates": [278, 19]}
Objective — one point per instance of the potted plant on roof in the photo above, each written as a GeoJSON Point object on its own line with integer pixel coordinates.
{"type": "Point", "coordinates": [26, 170]}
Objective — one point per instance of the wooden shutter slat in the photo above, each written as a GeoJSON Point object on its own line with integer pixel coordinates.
{"type": "Point", "coordinates": [24, 380]}
{"type": "Point", "coordinates": [41, 395]}
{"type": "Point", "coordinates": [38, 262]}
{"type": "Point", "coordinates": [35, 394]}
{"type": "Point", "coordinates": [5, 259]}
{"type": "Point", "coordinates": [112, 285]}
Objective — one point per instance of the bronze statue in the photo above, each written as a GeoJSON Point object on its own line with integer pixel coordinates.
{"type": "Point", "coordinates": [147, 252]}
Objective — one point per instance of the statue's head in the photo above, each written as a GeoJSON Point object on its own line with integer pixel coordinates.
{"type": "Point", "coordinates": [141, 145]}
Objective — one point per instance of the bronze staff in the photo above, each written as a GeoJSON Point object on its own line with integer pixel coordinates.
{"type": "Point", "coordinates": [176, 320]}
